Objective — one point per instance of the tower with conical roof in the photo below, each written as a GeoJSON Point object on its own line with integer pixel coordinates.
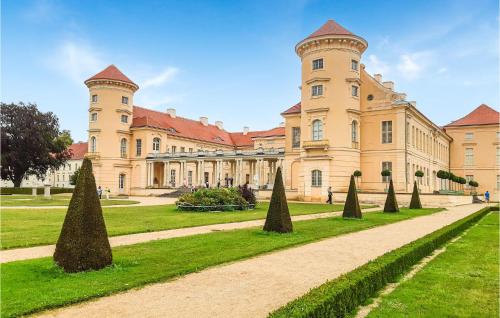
{"type": "Point", "coordinates": [330, 108]}
{"type": "Point", "coordinates": [111, 96]}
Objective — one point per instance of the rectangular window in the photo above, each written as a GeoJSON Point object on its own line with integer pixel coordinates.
{"type": "Point", "coordinates": [469, 136]}
{"type": "Point", "coordinates": [190, 178]}
{"type": "Point", "coordinates": [354, 65]}
{"type": "Point", "coordinates": [316, 178]}
{"type": "Point", "coordinates": [386, 165]}
{"type": "Point", "coordinates": [190, 150]}
{"type": "Point", "coordinates": [183, 149]}
{"type": "Point", "coordinates": [354, 90]}
{"type": "Point", "coordinates": [138, 147]}
{"type": "Point", "coordinates": [317, 90]}
{"type": "Point", "coordinates": [469, 156]}
{"type": "Point", "coordinates": [317, 64]}
{"type": "Point", "coordinates": [94, 98]}
{"type": "Point", "coordinates": [498, 156]}
{"type": "Point", "coordinates": [125, 100]}
{"type": "Point", "coordinates": [174, 148]}
{"type": "Point", "coordinates": [498, 135]}
{"type": "Point", "coordinates": [295, 137]}
{"type": "Point", "coordinates": [172, 178]}
{"type": "Point", "coordinates": [387, 132]}
{"type": "Point", "coordinates": [124, 119]}
{"type": "Point", "coordinates": [93, 117]}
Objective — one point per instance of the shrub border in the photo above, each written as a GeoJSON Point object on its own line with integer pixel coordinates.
{"type": "Point", "coordinates": [339, 297]}
{"type": "Point", "coordinates": [28, 191]}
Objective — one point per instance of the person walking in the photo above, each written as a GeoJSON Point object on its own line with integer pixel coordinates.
{"type": "Point", "coordinates": [487, 196]}
{"type": "Point", "coordinates": [107, 193]}
{"type": "Point", "coordinates": [330, 196]}
{"type": "Point", "coordinates": [99, 192]}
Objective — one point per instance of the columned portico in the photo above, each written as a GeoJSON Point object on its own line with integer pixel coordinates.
{"type": "Point", "coordinates": [259, 166]}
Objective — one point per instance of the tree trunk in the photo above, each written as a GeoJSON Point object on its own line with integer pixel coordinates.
{"type": "Point", "coordinates": [17, 180]}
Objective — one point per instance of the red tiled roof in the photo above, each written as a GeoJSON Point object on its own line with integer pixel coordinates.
{"type": "Point", "coordinates": [112, 73]}
{"type": "Point", "coordinates": [330, 28]}
{"type": "Point", "coordinates": [482, 115]}
{"type": "Point", "coordinates": [295, 109]}
{"type": "Point", "coordinates": [194, 129]}
{"type": "Point", "coordinates": [240, 139]}
{"type": "Point", "coordinates": [78, 150]}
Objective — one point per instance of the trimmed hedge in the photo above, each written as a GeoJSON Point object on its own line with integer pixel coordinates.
{"type": "Point", "coordinates": [27, 191]}
{"type": "Point", "coordinates": [216, 199]}
{"type": "Point", "coordinates": [342, 295]}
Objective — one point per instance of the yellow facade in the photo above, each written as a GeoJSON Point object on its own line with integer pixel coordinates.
{"type": "Point", "coordinates": [347, 120]}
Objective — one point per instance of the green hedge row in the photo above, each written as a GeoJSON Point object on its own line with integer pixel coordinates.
{"type": "Point", "coordinates": [38, 190]}
{"type": "Point", "coordinates": [339, 297]}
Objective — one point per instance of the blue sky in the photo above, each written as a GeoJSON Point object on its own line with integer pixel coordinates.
{"type": "Point", "coordinates": [234, 60]}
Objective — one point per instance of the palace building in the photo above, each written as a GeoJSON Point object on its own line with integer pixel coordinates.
{"type": "Point", "coordinates": [346, 120]}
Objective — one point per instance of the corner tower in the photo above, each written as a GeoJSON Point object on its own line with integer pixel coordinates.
{"type": "Point", "coordinates": [111, 97]}
{"type": "Point", "coordinates": [330, 108]}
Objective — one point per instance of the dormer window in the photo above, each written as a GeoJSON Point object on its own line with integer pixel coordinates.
{"type": "Point", "coordinates": [94, 98]}
{"type": "Point", "coordinates": [125, 100]}
{"type": "Point", "coordinates": [354, 65]}
{"type": "Point", "coordinates": [124, 119]}
{"type": "Point", "coordinates": [317, 90]}
{"type": "Point", "coordinates": [318, 64]}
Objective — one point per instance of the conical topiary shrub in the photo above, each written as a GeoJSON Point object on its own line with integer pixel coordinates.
{"type": "Point", "coordinates": [351, 206]}
{"type": "Point", "coordinates": [391, 205]}
{"type": "Point", "coordinates": [415, 198]}
{"type": "Point", "coordinates": [83, 243]}
{"type": "Point", "coordinates": [278, 217]}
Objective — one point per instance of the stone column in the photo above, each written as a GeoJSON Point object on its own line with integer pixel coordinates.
{"type": "Point", "coordinates": [165, 174]}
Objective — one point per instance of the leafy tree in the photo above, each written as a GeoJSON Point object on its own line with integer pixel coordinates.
{"type": "Point", "coordinates": [391, 205]}
{"type": "Point", "coordinates": [415, 198]}
{"type": "Point", "coordinates": [83, 243]}
{"type": "Point", "coordinates": [278, 217]}
{"type": "Point", "coordinates": [65, 137]}
{"type": "Point", "coordinates": [31, 142]}
{"type": "Point", "coordinates": [443, 175]}
{"type": "Point", "coordinates": [351, 206]}
{"type": "Point", "coordinates": [357, 174]}
{"type": "Point", "coordinates": [73, 179]}
{"type": "Point", "coordinates": [474, 184]}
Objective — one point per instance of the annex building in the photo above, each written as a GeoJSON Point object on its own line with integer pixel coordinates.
{"type": "Point", "coordinates": [346, 120]}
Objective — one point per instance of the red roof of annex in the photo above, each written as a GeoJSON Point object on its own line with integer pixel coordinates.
{"type": "Point", "coordinates": [482, 115]}
{"type": "Point", "coordinates": [78, 150]}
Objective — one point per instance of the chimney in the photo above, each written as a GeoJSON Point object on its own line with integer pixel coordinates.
{"type": "Point", "coordinates": [245, 130]}
{"type": "Point", "coordinates": [378, 77]}
{"type": "Point", "coordinates": [282, 124]}
{"type": "Point", "coordinates": [219, 125]}
{"type": "Point", "coordinates": [389, 85]}
{"type": "Point", "coordinates": [204, 121]}
{"type": "Point", "coordinates": [171, 112]}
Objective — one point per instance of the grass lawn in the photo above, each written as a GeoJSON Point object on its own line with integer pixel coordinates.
{"type": "Point", "coordinates": [28, 200]}
{"type": "Point", "coordinates": [29, 227]}
{"type": "Point", "coordinates": [461, 282]}
{"type": "Point", "coordinates": [33, 285]}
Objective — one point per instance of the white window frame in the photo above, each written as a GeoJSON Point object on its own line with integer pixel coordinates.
{"type": "Point", "coordinates": [93, 144]}
{"type": "Point", "coordinates": [317, 129]}
{"type": "Point", "coordinates": [354, 91]}
{"type": "Point", "coordinates": [138, 147]}
{"type": "Point", "coordinates": [93, 117]}
{"type": "Point", "coordinates": [387, 165]}
{"type": "Point", "coordinates": [316, 178]}
{"type": "Point", "coordinates": [295, 137]}
{"type": "Point", "coordinates": [469, 136]}
{"type": "Point", "coordinates": [317, 90]}
{"type": "Point", "coordinates": [318, 64]}
{"type": "Point", "coordinates": [469, 156]}
{"type": "Point", "coordinates": [354, 131]}
{"type": "Point", "coordinates": [123, 148]}
{"type": "Point", "coordinates": [386, 127]}
{"type": "Point", "coordinates": [156, 144]}
{"type": "Point", "coordinates": [354, 65]}
{"type": "Point", "coordinates": [94, 98]}
{"type": "Point", "coordinates": [124, 119]}
{"type": "Point", "coordinates": [121, 181]}
{"type": "Point", "coordinates": [125, 100]}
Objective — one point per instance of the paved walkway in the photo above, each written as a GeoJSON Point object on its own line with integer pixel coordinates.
{"type": "Point", "coordinates": [143, 201]}
{"type": "Point", "coordinates": [257, 286]}
{"type": "Point", "coordinates": [48, 250]}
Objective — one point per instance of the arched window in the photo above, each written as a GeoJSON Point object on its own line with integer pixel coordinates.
{"type": "Point", "coordinates": [317, 131]}
{"type": "Point", "coordinates": [316, 178]}
{"type": "Point", "coordinates": [93, 144]}
{"type": "Point", "coordinates": [354, 132]}
{"type": "Point", "coordinates": [156, 144]}
{"type": "Point", "coordinates": [123, 148]}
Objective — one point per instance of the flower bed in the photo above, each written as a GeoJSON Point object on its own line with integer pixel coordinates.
{"type": "Point", "coordinates": [220, 199]}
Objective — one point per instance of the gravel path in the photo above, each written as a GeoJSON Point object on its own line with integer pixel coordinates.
{"type": "Point", "coordinates": [18, 254]}
{"type": "Point", "coordinates": [257, 286]}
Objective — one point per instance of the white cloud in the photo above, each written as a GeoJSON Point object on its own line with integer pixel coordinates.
{"type": "Point", "coordinates": [376, 66]}
{"type": "Point", "coordinates": [164, 77]}
{"type": "Point", "coordinates": [76, 61]}
{"type": "Point", "coordinates": [411, 66]}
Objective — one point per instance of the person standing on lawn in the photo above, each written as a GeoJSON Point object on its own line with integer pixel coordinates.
{"type": "Point", "coordinates": [330, 196]}
{"type": "Point", "coordinates": [99, 192]}
{"type": "Point", "coordinates": [487, 196]}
